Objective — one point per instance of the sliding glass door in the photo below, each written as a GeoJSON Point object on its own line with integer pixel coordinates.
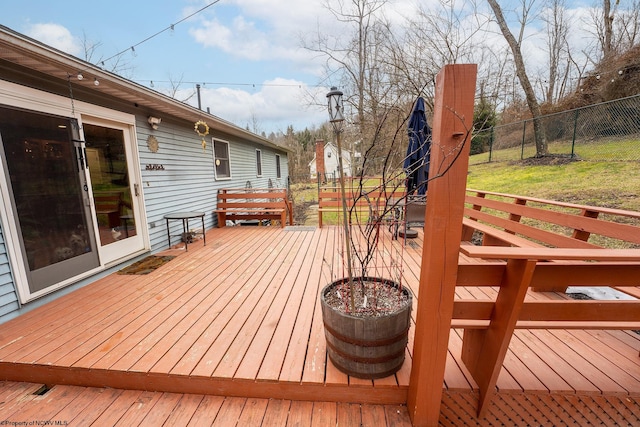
{"type": "Point", "coordinates": [45, 168]}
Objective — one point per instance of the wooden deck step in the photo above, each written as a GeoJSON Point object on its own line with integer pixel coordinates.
{"type": "Point", "coordinates": [72, 405]}
{"type": "Point", "coordinates": [83, 406]}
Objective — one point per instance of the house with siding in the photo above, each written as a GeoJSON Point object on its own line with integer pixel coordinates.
{"type": "Point", "coordinates": [325, 161]}
{"type": "Point", "coordinates": [91, 164]}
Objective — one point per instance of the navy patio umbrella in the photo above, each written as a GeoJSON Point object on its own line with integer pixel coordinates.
{"type": "Point", "coordinates": [416, 163]}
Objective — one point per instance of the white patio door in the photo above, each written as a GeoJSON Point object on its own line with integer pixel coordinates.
{"type": "Point", "coordinates": [116, 198]}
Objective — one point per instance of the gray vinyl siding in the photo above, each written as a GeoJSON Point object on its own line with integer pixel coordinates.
{"type": "Point", "coordinates": [8, 297]}
{"type": "Point", "coordinates": [188, 181]}
{"type": "Point", "coordinates": [243, 167]}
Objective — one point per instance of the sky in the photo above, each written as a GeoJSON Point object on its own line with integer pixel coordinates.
{"type": "Point", "coordinates": [245, 54]}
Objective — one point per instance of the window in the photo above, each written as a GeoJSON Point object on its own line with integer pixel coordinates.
{"type": "Point", "coordinates": [258, 162]}
{"type": "Point", "coordinates": [278, 171]}
{"type": "Point", "coordinates": [221, 159]}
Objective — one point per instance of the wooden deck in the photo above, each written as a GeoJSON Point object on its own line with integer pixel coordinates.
{"type": "Point", "coordinates": [239, 318]}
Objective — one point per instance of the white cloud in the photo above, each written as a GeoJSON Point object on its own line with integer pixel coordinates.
{"type": "Point", "coordinates": [260, 30]}
{"type": "Point", "coordinates": [272, 106]}
{"type": "Point", "coordinates": [254, 41]}
{"type": "Point", "coordinates": [284, 17]}
{"type": "Point", "coordinates": [264, 30]}
{"type": "Point", "coordinates": [241, 39]}
{"type": "Point", "coordinates": [56, 36]}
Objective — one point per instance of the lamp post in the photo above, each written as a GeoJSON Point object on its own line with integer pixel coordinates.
{"type": "Point", "coordinates": [336, 118]}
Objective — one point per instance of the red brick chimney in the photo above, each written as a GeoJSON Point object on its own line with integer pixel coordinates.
{"type": "Point", "coordinates": [320, 158]}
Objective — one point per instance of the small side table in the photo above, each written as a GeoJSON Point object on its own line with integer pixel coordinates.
{"type": "Point", "coordinates": [185, 217]}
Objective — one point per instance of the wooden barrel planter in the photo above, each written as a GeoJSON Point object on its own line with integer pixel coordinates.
{"type": "Point", "coordinates": [367, 346]}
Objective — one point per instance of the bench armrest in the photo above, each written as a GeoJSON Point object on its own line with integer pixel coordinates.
{"type": "Point", "coordinates": [502, 252]}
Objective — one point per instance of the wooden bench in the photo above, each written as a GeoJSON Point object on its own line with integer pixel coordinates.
{"type": "Point", "coordinates": [546, 246]}
{"type": "Point", "coordinates": [360, 203]}
{"type": "Point", "coordinates": [508, 220]}
{"type": "Point", "coordinates": [109, 204]}
{"type": "Point", "coordinates": [253, 203]}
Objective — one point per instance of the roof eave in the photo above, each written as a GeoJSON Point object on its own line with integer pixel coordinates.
{"type": "Point", "coordinates": [29, 53]}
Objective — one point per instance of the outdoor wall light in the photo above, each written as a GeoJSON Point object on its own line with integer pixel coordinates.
{"type": "Point", "coordinates": [336, 116]}
{"type": "Point", "coordinates": [154, 122]}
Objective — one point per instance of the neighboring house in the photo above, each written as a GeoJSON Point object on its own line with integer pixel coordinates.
{"type": "Point", "coordinates": [90, 167]}
{"type": "Point", "coordinates": [331, 166]}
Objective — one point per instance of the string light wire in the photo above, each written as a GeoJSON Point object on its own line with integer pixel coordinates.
{"type": "Point", "coordinates": [322, 84]}
{"type": "Point", "coordinates": [169, 28]}
{"type": "Point", "coordinates": [153, 82]}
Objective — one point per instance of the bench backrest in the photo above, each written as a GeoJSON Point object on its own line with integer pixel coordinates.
{"type": "Point", "coordinates": [252, 198]}
{"type": "Point", "coordinates": [362, 203]}
{"type": "Point", "coordinates": [552, 223]}
{"type": "Point", "coordinates": [358, 200]}
{"type": "Point", "coordinates": [108, 202]}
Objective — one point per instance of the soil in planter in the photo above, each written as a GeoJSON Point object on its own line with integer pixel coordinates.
{"type": "Point", "coordinates": [372, 299]}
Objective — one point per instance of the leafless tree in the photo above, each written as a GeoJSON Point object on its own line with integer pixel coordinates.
{"type": "Point", "coordinates": [557, 49]}
{"type": "Point", "coordinates": [615, 29]}
{"type": "Point", "coordinates": [516, 50]}
{"type": "Point", "coordinates": [91, 52]}
{"type": "Point", "coordinates": [607, 28]}
{"type": "Point", "coordinates": [174, 88]}
{"type": "Point", "coordinates": [359, 58]}
{"type": "Point", "coordinates": [440, 33]}
{"type": "Point", "coordinates": [628, 26]}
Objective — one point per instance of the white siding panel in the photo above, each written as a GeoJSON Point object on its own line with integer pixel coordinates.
{"type": "Point", "coordinates": [187, 182]}
{"type": "Point", "coordinates": [8, 297]}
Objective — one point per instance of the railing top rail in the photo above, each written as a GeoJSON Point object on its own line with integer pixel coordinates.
{"type": "Point", "coordinates": [603, 210]}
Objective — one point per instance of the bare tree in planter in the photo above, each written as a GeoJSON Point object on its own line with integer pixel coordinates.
{"type": "Point", "coordinates": [367, 316]}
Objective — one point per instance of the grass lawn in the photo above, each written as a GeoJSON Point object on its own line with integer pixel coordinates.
{"type": "Point", "coordinates": [611, 150]}
{"type": "Point", "coordinates": [614, 184]}
{"type": "Point", "coordinates": [610, 184]}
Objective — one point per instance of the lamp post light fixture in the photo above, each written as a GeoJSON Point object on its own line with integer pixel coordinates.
{"type": "Point", "coordinates": [336, 118]}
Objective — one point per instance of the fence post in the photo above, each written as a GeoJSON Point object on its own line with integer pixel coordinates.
{"type": "Point", "coordinates": [491, 137]}
{"type": "Point", "coordinates": [524, 135]}
{"type": "Point", "coordinates": [573, 139]}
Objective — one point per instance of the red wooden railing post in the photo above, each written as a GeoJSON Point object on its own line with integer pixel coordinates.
{"type": "Point", "coordinates": [452, 123]}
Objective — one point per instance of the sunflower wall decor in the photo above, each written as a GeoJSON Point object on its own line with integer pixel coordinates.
{"type": "Point", "coordinates": [202, 129]}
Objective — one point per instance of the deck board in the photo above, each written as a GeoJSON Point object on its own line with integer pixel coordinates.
{"type": "Point", "coordinates": [569, 374]}
{"type": "Point", "coordinates": [270, 366]}
{"type": "Point", "coordinates": [292, 370]}
{"type": "Point", "coordinates": [249, 300]}
{"type": "Point", "coordinates": [240, 317]}
{"type": "Point", "coordinates": [259, 325]}
{"type": "Point", "coordinates": [575, 352]}
{"type": "Point", "coordinates": [207, 410]}
{"type": "Point", "coordinates": [276, 413]}
{"type": "Point", "coordinates": [165, 355]}
{"type": "Point", "coordinates": [118, 407]}
{"type": "Point", "coordinates": [236, 288]}
{"type": "Point", "coordinates": [153, 339]}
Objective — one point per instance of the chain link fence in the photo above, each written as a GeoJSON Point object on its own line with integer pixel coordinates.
{"type": "Point", "coordinates": [609, 131]}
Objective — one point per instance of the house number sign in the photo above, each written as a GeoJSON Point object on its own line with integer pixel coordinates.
{"type": "Point", "coordinates": [154, 167]}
